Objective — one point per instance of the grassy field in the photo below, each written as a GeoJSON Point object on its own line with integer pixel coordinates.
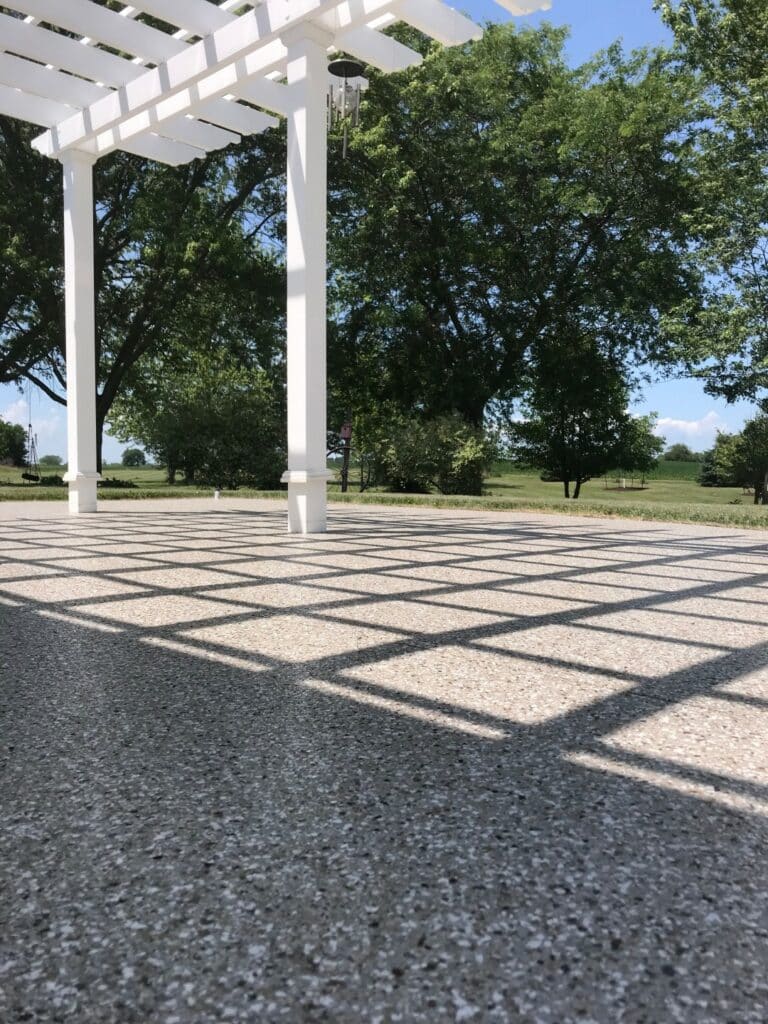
{"type": "Point", "coordinates": [670, 495]}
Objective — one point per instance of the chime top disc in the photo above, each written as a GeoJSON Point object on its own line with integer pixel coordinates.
{"type": "Point", "coordinates": [345, 68]}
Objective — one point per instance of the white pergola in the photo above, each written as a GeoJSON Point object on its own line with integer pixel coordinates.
{"type": "Point", "coordinates": [99, 79]}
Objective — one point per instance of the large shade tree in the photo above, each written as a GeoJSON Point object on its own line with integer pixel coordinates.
{"type": "Point", "coordinates": [492, 194]}
{"type": "Point", "coordinates": [181, 255]}
{"type": "Point", "coordinates": [725, 43]}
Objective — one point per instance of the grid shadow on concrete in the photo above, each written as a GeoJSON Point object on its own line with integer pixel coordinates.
{"type": "Point", "coordinates": [429, 766]}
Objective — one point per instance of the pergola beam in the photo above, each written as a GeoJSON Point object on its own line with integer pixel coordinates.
{"type": "Point", "coordinates": [442, 23]}
{"type": "Point", "coordinates": [196, 17]}
{"type": "Point", "coordinates": [379, 51]}
{"type": "Point", "coordinates": [40, 44]}
{"type": "Point", "coordinates": [91, 20]}
{"type": "Point", "coordinates": [205, 71]}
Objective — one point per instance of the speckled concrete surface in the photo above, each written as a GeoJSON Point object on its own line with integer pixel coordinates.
{"type": "Point", "coordinates": [432, 766]}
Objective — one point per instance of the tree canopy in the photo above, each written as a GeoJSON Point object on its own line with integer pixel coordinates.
{"type": "Point", "coordinates": [492, 194]}
{"type": "Point", "coordinates": [725, 340]}
{"type": "Point", "coordinates": [13, 444]}
{"type": "Point", "coordinates": [181, 255]}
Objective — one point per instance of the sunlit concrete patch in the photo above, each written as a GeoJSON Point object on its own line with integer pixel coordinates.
{"type": "Point", "coordinates": [668, 777]}
{"type": "Point", "coordinates": [290, 638]}
{"type": "Point", "coordinates": [341, 560]}
{"type": "Point", "coordinates": [413, 616]}
{"type": "Point", "coordinates": [749, 686]}
{"type": "Point", "coordinates": [162, 610]}
{"type": "Point", "coordinates": [348, 584]}
{"type": "Point", "coordinates": [218, 657]}
{"type": "Point", "coordinates": [10, 570]}
{"type": "Point", "coordinates": [622, 654]}
{"type": "Point", "coordinates": [74, 620]}
{"type": "Point", "coordinates": [97, 561]}
{"type": "Point", "coordinates": [445, 719]}
{"type": "Point", "coordinates": [270, 594]}
{"type": "Point", "coordinates": [67, 588]}
{"type": "Point", "coordinates": [726, 606]}
{"type": "Point", "coordinates": [508, 601]}
{"type": "Point", "coordinates": [453, 575]}
{"type": "Point", "coordinates": [174, 577]}
{"type": "Point", "coordinates": [683, 736]}
{"type": "Point", "coordinates": [490, 683]}
{"type": "Point", "coordinates": [668, 622]}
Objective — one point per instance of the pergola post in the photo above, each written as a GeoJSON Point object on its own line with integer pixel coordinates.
{"type": "Point", "coordinates": [80, 324]}
{"type": "Point", "coordinates": [307, 67]}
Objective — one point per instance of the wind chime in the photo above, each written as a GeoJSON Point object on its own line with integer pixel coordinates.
{"type": "Point", "coordinates": [344, 97]}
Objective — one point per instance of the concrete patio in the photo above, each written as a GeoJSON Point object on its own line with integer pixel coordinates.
{"type": "Point", "coordinates": [430, 766]}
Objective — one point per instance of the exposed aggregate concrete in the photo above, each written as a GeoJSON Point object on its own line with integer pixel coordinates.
{"type": "Point", "coordinates": [432, 766]}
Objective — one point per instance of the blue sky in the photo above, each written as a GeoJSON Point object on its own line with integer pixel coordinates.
{"type": "Point", "coordinates": [686, 412]}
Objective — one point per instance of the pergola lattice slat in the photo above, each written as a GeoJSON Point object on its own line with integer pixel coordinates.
{"type": "Point", "coordinates": [100, 23]}
{"type": "Point", "coordinates": [173, 95]}
{"type": "Point", "coordinates": [198, 17]}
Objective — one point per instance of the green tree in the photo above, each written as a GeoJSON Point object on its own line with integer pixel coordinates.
{"type": "Point", "coordinates": [133, 457]}
{"type": "Point", "coordinates": [181, 255]}
{"type": "Point", "coordinates": [727, 40]}
{"type": "Point", "coordinates": [681, 453]}
{"type": "Point", "coordinates": [639, 446]}
{"type": "Point", "coordinates": [751, 462]}
{"type": "Point", "coordinates": [51, 461]}
{"type": "Point", "coordinates": [13, 444]}
{"type": "Point", "coordinates": [493, 193]}
{"type": "Point", "coordinates": [721, 466]}
{"type": "Point", "coordinates": [725, 341]}
{"type": "Point", "coordinates": [219, 422]}
{"type": "Point", "coordinates": [575, 424]}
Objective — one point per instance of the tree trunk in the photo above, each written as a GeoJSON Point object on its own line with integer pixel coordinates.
{"type": "Point", "coordinates": [757, 487]}
{"type": "Point", "coordinates": [577, 490]}
{"type": "Point", "coordinates": [567, 488]}
{"type": "Point", "coordinates": [99, 441]}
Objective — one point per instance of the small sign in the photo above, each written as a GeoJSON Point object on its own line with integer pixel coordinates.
{"type": "Point", "coordinates": [346, 432]}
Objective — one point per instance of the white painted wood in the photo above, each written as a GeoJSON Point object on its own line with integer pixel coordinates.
{"type": "Point", "coordinates": [49, 96]}
{"type": "Point", "coordinates": [197, 17]}
{"type": "Point", "coordinates": [265, 93]}
{"type": "Point", "coordinates": [305, 262]}
{"type": "Point", "coordinates": [40, 81]}
{"type": "Point", "coordinates": [205, 136]}
{"type": "Point", "coordinates": [205, 71]}
{"type": "Point", "coordinates": [439, 21]}
{"type": "Point", "coordinates": [236, 117]}
{"type": "Point", "coordinates": [30, 108]}
{"type": "Point", "coordinates": [62, 52]}
{"type": "Point", "coordinates": [80, 329]}
{"type": "Point", "coordinates": [165, 151]}
{"type": "Point", "coordinates": [97, 22]}
{"type": "Point", "coordinates": [379, 51]}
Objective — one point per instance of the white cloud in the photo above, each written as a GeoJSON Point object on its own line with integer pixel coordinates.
{"type": "Point", "coordinates": [703, 429]}
{"type": "Point", "coordinates": [526, 6]}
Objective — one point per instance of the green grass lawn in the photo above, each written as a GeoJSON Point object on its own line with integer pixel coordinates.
{"type": "Point", "coordinates": [671, 494]}
{"type": "Point", "coordinates": [529, 485]}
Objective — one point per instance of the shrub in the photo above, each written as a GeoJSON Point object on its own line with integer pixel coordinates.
{"type": "Point", "coordinates": [113, 484]}
{"type": "Point", "coordinates": [415, 456]}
